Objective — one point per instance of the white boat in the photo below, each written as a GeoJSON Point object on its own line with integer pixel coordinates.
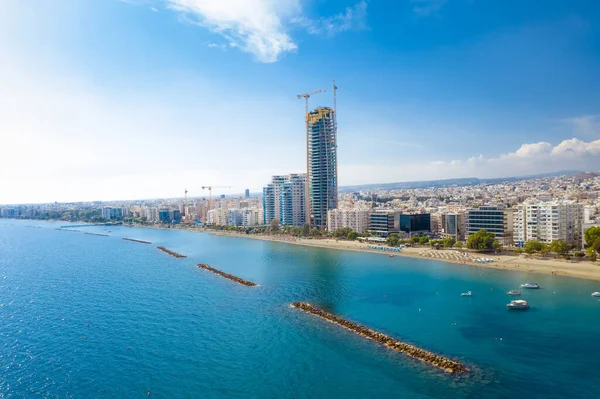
{"type": "Point", "coordinates": [530, 285]}
{"type": "Point", "coordinates": [518, 304]}
{"type": "Point", "coordinates": [468, 293]}
{"type": "Point", "coordinates": [513, 292]}
{"type": "Point", "coordinates": [596, 294]}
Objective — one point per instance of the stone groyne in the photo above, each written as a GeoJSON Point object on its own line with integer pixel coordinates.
{"type": "Point", "coordinates": [134, 240]}
{"type": "Point", "coordinates": [173, 254]}
{"type": "Point", "coordinates": [97, 234]}
{"type": "Point", "coordinates": [227, 275]}
{"type": "Point", "coordinates": [448, 365]}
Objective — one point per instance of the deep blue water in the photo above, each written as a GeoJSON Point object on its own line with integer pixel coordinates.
{"type": "Point", "coordinates": [160, 324]}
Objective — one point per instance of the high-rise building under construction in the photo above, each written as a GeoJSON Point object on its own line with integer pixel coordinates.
{"type": "Point", "coordinates": [322, 164]}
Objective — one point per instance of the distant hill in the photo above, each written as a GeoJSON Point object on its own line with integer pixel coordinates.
{"type": "Point", "coordinates": [467, 181]}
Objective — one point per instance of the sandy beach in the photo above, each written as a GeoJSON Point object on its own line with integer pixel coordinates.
{"type": "Point", "coordinates": [559, 267]}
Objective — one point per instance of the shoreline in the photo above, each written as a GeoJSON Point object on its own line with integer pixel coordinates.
{"type": "Point", "coordinates": [583, 270]}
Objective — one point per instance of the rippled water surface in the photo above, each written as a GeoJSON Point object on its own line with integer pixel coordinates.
{"type": "Point", "coordinates": [85, 316]}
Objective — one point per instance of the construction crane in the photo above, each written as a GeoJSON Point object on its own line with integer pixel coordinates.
{"type": "Point", "coordinates": [209, 188]}
{"type": "Point", "coordinates": [306, 96]}
{"type": "Point", "coordinates": [185, 207]}
{"type": "Point", "coordinates": [334, 98]}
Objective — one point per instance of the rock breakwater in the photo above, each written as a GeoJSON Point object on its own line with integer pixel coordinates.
{"type": "Point", "coordinates": [97, 234]}
{"type": "Point", "coordinates": [448, 365]}
{"type": "Point", "coordinates": [227, 275]}
{"type": "Point", "coordinates": [134, 240]}
{"type": "Point", "coordinates": [172, 253]}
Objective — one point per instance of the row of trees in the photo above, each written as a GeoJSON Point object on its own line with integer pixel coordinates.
{"type": "Point", "coordinates": [73, 215]}
{"type": "Point", "coordinates": [592, 241]}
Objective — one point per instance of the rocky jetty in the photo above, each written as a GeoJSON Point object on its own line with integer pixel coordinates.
{"type": "Point", "coordinates": [173, 254]}
{"type": "Point", "coordinates": [227, 275]}
{"type": "Point", "coordinates": [134, 240]}
{"type": "Point", "coordinates": [448, 365]}
{"type": "Point", "coordinates": [97, 234]}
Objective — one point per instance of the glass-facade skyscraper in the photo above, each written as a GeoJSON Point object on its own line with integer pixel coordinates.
{"type": "Point", "coordinates": [322, 165]}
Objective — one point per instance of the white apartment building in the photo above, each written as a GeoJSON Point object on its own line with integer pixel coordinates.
{"type": "Point", "coordinates": [112, 213]}
{"type": "Point", "coordinates": [547, 221]}
{"type": "Point", "coordinates": [284, 199]}
{"type": "Point", "coordinates": [588, 214]}
{"type": "Point", "coordinates": [252, 217]}
{"type": "Point", "coordinates": [217, 217]}
{"type": "Point", "coordinates": [356, 219]}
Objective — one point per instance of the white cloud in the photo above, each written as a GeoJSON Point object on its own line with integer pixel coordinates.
{"type": "Point", "coordinates": [528, 150]}
{"type": "Point", "coordinates": [255, 26]}
{"type": "Point", "coordinates": [427, 7]}
{"type": "Point", "coordinates": [353, 18]}
{"type": "Point", "coordinates": [577, 148]}
{"type": "Point", "coordinates": [219, 46]}
{"type": "Point", "coordinates": [154, 9]}
{"type": "Point", "coordinates": [531, 158]}
{"type": "Point", "coordinates": [261, 27]}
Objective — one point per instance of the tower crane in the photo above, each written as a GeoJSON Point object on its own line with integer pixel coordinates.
{"type": "Point", "coordinates": [186, 208]}
{"type": "Point", "coordinates": [306, 96]}
{"type": "Point", "coordinates": [209, 188]}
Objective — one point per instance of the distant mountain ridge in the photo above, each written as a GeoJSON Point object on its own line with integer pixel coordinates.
{"type": "Point", "coordinates": [466, 181]}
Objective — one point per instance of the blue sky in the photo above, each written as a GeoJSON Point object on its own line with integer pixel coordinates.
{"type": "Point", "coordinates": [124, 99]}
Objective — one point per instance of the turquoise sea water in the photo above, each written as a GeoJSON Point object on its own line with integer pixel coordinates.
{"type": "Point", "coordinates": [159, 324]}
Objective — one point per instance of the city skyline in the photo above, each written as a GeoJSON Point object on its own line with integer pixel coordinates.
{"type": "Point", "coordinates": [109, 98]}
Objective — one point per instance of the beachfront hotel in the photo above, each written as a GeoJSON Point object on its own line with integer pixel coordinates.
{"type": "Point", "coordinates": [322, 165]}
{"type": "Point", "coordinates": [495, 219]}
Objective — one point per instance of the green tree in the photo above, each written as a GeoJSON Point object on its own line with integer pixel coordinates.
{"type": "Point", "coordinates": [532, 246]}
{"type": "Point", "coordinates": [596, 245]}
{"type": "Point", "coordinates": [459, 244]}
{"type": "Point", "coordinates": [392, 240]}
{"type": "Point", "coordinates": [448, 242]}
{"type": "Point", "coordinates": [353, 235]}
{"type": "Point", "coordinates": [314, 232]}
{"type": "Point", "coordinates": [483, 240]}
{"type": "Point", "coordinates": [342, 232]}
{"type": "Point", "coordinates": [591, 253]}
{"type": "Point", "coordinates": [559, 246]}
{"type": "Point", "coordinates": [274, 225]}
{"type": "Point", "coordinates": [415, 239]}
{"type": "Point", "coordinates": [591, 235]}
{"type": "Point", "coordinates": [545, 249]}
{"type": "Point", "coordinates": [306, 229]}
{"type": "Point", "coordinates": [423, 240]}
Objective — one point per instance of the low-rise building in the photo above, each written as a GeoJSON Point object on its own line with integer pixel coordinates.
{"type": "Point", "coordinates": [494, 219]}
{"type": "Point", "coordinates": [453, 226]}
{"type": "Point", "coordinates": [355, 219]}
{"type": "Point", "coordinates": [415, 224]}
{"type": "Point", "coordinates": [383, 222]}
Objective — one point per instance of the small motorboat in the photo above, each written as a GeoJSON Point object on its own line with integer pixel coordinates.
{"type": "Point", "coordinates": [468, 293]}
{"type": "Point", "coordinates": [596, 294]}
{"type": "Point", "coordinates": [518, 305]}
{"type": "Point", "coordinates": [530, 286]}
{"type": "Point", "coordinates": [514, 292]}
